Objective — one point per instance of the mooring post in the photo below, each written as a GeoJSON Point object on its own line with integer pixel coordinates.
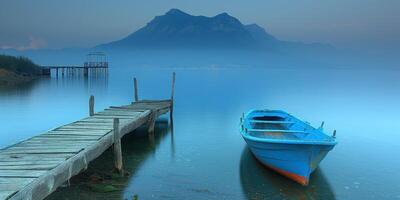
{"type": "Point", "coordinates": [136, 89]}
{"type": "Point", "coordinates": [85, 72]}
{"type": "Point", "coordinates": [152, 122]}
{"type": "Point", "coordinates": [117, 148]}
{"type": "Point", "coordinates": [91, 105]}
{"type": "Point", "coordinates": [172, 101]}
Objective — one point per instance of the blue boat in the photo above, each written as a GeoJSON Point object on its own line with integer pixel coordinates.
{"type": "Point", "coordinates": [285, 144]}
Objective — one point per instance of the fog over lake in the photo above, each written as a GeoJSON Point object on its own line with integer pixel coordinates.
{"type": "Point", "coordinates": [206, 158]}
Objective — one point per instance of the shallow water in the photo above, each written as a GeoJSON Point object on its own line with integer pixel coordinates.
{"type": "Point", "coordinates": [206, 158]}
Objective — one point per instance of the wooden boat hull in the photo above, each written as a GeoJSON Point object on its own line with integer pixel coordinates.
{"type": "Point", "coordinates": [295, 161]}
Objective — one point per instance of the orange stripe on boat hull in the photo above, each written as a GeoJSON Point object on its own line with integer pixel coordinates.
{"type": "Point", "coordinates": [299, 179]}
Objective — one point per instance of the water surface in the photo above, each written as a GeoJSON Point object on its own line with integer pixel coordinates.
{"type": "Point", "coordinates": [205, 157]}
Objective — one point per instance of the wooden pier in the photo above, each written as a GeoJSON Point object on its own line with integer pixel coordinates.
{"type": "Point", "coordinates": [34, 168]}
{"type": "Point", "coordinates": [96, 62]}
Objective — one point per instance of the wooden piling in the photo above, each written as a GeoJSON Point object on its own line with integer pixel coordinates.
{"type": "Point", "coordinates": [85, 72]}
{"type": "Point", "coordinates": [91, 105]}
{"type": "Point", "coordinates": [172, 101]}
{"type": "Point", "coordinates": [136, 89]}
{"type": "Point", "coordinates": [117, 148]}
{"type": "Point", "coordinates": [152, 122]}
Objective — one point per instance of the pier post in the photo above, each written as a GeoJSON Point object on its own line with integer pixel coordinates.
{"type": "Point", "coordinates": [152, 122]}
{"type": "Point", "coordinates": [56, 72]}
{"type": "Point", "coordinates": [91, 105]}
{"type": "Point", "coordinates": [136, 89]}
{"type": "Point", "coordinates": [172, 101]}
{"type": "Point", "coordinates": [117, 148]}
{"type": "Point", "coordinates": [85, 71]}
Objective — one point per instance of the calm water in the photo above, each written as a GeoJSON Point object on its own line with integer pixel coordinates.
{"type": "Point", "coordinates": [205, 157]}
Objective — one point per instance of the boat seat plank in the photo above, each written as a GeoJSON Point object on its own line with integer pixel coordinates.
{"type": "Point", "coordinates": [271, 122]}
{"type": "Point", "coordinates": [276, 130]}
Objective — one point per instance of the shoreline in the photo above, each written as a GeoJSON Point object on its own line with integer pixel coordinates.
{"type": "Point", "coordinates": [10, 78]}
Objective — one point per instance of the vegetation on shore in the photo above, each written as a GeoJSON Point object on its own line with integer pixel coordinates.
{"type": "Point", "coordinates": [15, 70]}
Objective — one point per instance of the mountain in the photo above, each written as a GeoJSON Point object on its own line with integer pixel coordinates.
{"type": "Point", "coordinates": [177, 29]}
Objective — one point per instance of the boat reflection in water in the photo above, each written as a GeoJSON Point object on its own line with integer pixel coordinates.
{"type": "Point", "coordinates": [259, 182]}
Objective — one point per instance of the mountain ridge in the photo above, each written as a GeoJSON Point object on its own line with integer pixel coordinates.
{"type": "Point", "coordinates": [179, 30]}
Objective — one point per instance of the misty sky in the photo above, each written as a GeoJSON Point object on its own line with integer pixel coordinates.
{"type": "Point", "coordinates": [27, 24]}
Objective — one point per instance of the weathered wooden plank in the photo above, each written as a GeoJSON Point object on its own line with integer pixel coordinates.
{"type": "Point", "coordinates": [58, 144]}
{"type": "Point", "coordinates": [123, 110]}
{"type": "Point", "coordinates": [22, 173]}
{"type": "Point", "coordinates": [126, 108]}
{"type": "Point", "coordinates": [5, 194]}
{"type": "Point", "coordinates": [93, 119]}
{"type": "Point", "coordinates": [9, 158]}
{"type": "Point", "coordinates": [11, 187]}
{"type": "Point", "coordinates": [162, 111]}
{"type": "Point", "coordinates": [115, 115]}
{"type": "Point", "coordinates": [119, 112]}
{"type": "Point", "coordinates": [73, 134]}
{"type": "Point", "coordinates": [97, 121]}
{"type": "Point", "coordinates": [49, 147]}
{"type": "Point", "coordinates": [15, 180]}
{"type": "Point", "coordinates": [155, 101]}
{"type": "Point", "coordinates": [131, 113]}
{"type": "Point", "coordinates": [55, 140]}
{"type": "Point", "coordinates": [45, 147]}
{"type": "Point", "coordinates": [30, 162]}
{"type": "Point", "coordinates": [28, 167]}
{"type": "Point", "coordinates": [112, 117]}
{"type": "Point", "coordinates": [77, 128]}
{"type": "Point", "coordinates": [80, 130]}
{"type": "Point", "coordinates": [76, 132]}
{"type": "Point", "coordinates": [85, 123]}
{"type": "Point", "coordinates": [65, 136]}
{"type": "Point", "coordinates": [135, 124]}
{"type": "Point", "coordinates": [61, 144]}
{"type": "Point", "coordinates": [41, 151]}
{"type": "Point", "coordinates": [98, 125]}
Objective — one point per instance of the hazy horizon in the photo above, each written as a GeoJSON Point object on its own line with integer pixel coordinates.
{"type": "Point", "coordinates": [343, 24]}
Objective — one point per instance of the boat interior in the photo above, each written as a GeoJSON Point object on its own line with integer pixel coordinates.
{"type": "Point", "coordinates": [280, 125]}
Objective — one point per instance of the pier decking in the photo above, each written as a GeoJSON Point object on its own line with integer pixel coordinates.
{"type": "Point", "coordinates": [34, 168]}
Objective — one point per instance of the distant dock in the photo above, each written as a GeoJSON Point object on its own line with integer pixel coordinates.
{"type": "Point", "coordinates": [96, 63]}
{"type": "Point", "coordinates": [36, 167]}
